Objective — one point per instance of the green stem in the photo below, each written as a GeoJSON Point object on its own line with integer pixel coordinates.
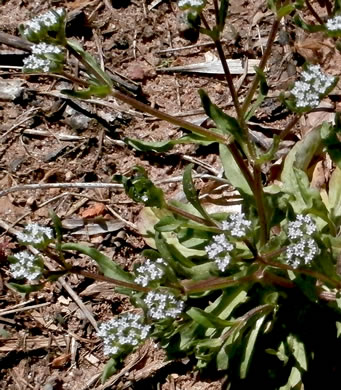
{"type": "Point", "coordinates": [57, 258]}
{"type": "Point", "coordinates": [228, 77]}
{"type": "Point", "coordinates": [240, 321]}
{"type": "Point", "coordinates": [262, 65]}
{"type": "Point", "coordinates": [169, 118]}
{"type": "Point", "coordinates": [74, 79]}
{"type": "Point", "coordinates": [191, 286]}
{"type": "Point", "coordinates": [187, 215]}
{"type": "Point", "coordinates": [235, 99]}
{"type": "Point", "coordinates": [120, 283]}
{"type": "Point", "coordinates": [314, 274]}
{"type": "Point", "coordinates": [289, 126]}
{"type": "Point", "coordinates": [260, 204]}
{"type": "Point", "coordinates": [216, 12]}
{"type": "Point", "coordinates": [191, 127]}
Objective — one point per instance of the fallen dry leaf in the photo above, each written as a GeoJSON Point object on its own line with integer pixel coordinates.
{"type": "Point", "coordinates": [61, 361]}
{"type": "Point", "coordinates": [93, 211]}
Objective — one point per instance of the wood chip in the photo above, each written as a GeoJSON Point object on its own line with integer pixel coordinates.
{"type": "Point", "coordinates": [31, 343]}
{"type": "Point", "coordinates": [213, 66]}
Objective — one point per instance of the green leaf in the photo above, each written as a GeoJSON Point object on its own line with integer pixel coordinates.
{"type": "Point", "coordinates": [334, 194]}
{"type": "Point", "coordinates": [27, 288]}
{"type": "Point", "coordinates": [141, 189]}
{"type": "Point", "coordinates": [168, 224]}
{"type": "Point", "coordinates": [307, 27]}
{"type": "Point", "coordinates": [222, 14]}
{"type": "Point", "coordinates": [285, 10]}
{"type": "Point", "coordinates": [338, 328]}
{"type": "Point", "coordinates": [165, 146]}
{"type": "Point", "coordinates": [227, 124]}
{"type": "Point", "coordinates": [191, 192]}
{"type": "Point", "coordinates": [270, 154]}
{"type": "Point", "coordinates": [109, 369]}
{"type": "Point", "coordinates": [232, 171]}
{"type": "Point", "coordinates": [294, 379]}
{"type": "Point", "coordinates": [90, 63]}
{"type": "Point", "coordinates": [223, 357]}
{"type": "Point", "coordinates": [252, 337]}
{"type": "Point", "coordinates": [280, 353]}
{"type": "Point", "coordinates": [298, 351]}
{"type": "Point", "coordinates": [307, 148]}
{"type": "Point", "coordinates": [57, 225]}
{"type": "Point", "coordinates": [207, 320]}
{"type": "Point", "coordinates": [331, 142]}
{"type": "Point", "coordinates": [295, 181]}
{"type": "Point", "coordinates": [227, 302]}
{"type": "Point", "coordinates": [106, 265]}
{"type": "Point", "coordinates": [93, 90]}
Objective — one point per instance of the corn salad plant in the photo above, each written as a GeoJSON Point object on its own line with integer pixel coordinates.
{"type": "Point", "coordinates": [254, 293]}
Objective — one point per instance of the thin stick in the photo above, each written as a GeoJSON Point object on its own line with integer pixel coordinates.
{"type": "Point", "coordinates": [6, 312]}
{"type": "Point", "coordinates": [44, 186]}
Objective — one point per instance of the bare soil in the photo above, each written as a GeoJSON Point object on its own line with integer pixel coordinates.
{"type": "Point", "coordinates": [46, 339]}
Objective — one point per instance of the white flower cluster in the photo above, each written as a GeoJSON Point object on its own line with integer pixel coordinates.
{"type": "Point", "coordinates": [236, 225]}
{"type": "Point", "coordinates": [35, 234]}
{"type": "Point", "coordinates": [302, 225]}
{"type": "Point", "coordinates": [304, 248]}
{"type": "Point", "coordinates": [309, 89]}
{"type": "Point", "coordinates": [302, 252]}
{"type": "Point", "coordinates": [45, 48]}
{"type": "Point", "coordinates": [38, 61]}
{"type": "Point", "coordinates": [149, 271]}
{"type": "Point", "coordinates": [218, 251]}
{"type": "Point", "coordinates": [26, 266]}
{"type": "Point", "coordinates": [191, 3]}
{"type": "Point", "coordinates": [49, 19]}
{"type": "Point", "coordinates": [334, 24]}
{"type": "Point", "coordinates": [37, 64]}
{"type": "Point", "coordinates": [123, 332]}
{"type": "Point", "coordinates": [162, 305]}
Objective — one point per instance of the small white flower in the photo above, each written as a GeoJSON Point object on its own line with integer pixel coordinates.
{"type": "Point", "coordinates": [334, 24]}
{"type": "Point", "coordinates": [191, 3]}
{"type": "Point", "coordinates": [49, 19]}
{"type": "Point", "coordinates": [162, 305]}
{"type": "Point", "coordinates": [223, 262]}
{"type": "Point", "coordinates": [35, 234]}
{"type": "Point", "coordinates": [218, 246]}
{"type": "Point", "coordinates": [123, 332]}
{"type": "Point", "coordinates": [302, 253]}
{"type": "Point", "coordinates": [37, 64]}
{"type": "Point", "coordinates": [311, 87]}
{"type": "Point", "coordinates": [144, 198]}
{"type": "Point", "coordinates": [26, 266]}
{"type": "Point", "coordinates": [149, 271]}
{"type": "Point", "coordinates": [303, 225]}
{"type": "Point", "coordinates": [218, 251]}
{"type": "Point", "coordinates": [44, 48]}
{"type": "Point", "coordinates": [236, 225]}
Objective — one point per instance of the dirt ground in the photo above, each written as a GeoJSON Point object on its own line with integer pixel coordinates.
{"type": "Point", "coordinates": [47, 339]}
